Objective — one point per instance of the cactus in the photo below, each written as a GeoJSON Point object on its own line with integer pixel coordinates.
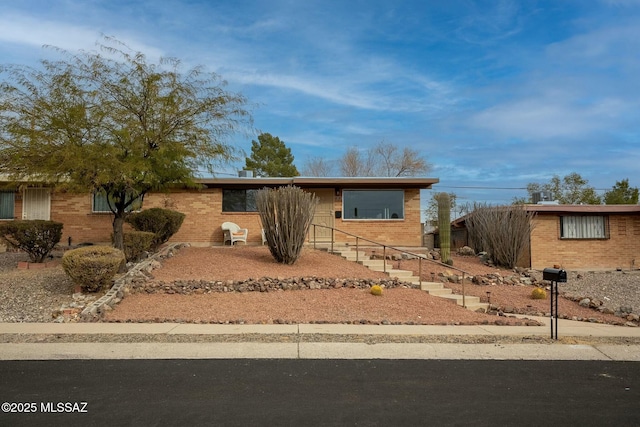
{"type": "Point", "coordinates": [538, 293]}
{"type": "Point", "coordinates": [376, 290]}
{"type": "Point", "coordinates": [286, 214]}
{"type": "Point", "coordinates": [444, 226]}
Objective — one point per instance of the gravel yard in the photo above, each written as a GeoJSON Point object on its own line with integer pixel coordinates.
{"type": "Point", "coordinates": [40, 295]}
{"type": "Point", "coordinates": [31, 295]}
{"type": "Point", "coordinates": [614, 289]}
{"type": "Point", "coordinates": [607, 292]}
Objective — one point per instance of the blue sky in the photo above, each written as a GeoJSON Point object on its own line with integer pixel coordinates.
{"type": "Point", "coordinates": [495, 94]}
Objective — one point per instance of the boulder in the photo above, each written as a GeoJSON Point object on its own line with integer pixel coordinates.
{"type": "Point", "coordinates": [584, 302]}
{"type": "Point", "coordinates": [466, 251]}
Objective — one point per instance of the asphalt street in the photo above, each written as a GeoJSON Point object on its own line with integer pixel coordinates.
{"type": "Point", "coordinates": [244, 392]}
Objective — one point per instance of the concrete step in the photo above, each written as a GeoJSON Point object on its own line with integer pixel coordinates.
{"type": "Point", "coordinates": [469, 300]}
{"type": "Point", "coordinates": [425, 286]}
{"type": "Point", "coordinates": [400, 274]}
{"type": "Point", "coordinates": [439, 292]}
{"type": "Point", "coordinates": [353, 256]}
{"type": "Point", "coordinates": [481, 306]}
{"type": "Point", "coordinates": [375, 264]}
{"type": "Point", "coordinates": [412, 279]}
{"type": "Point", "coordinates": [340, 251]}
{"type": "Point", "coordinates": [433, 288]}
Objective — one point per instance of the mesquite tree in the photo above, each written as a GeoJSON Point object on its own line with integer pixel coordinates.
{"type": "Point", "coordinates": [444, 226]}
{"type": "Point", "coordinates": [286, 214]}
{"type": "Point", "coordinates": [502, 231]}
{"type": "Point", "coordinates": [116, 123]}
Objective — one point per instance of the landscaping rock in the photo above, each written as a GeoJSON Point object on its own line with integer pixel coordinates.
{"type": "Point", "coordinates": [585, 302]}
{"type": "Point", "coordinates": [466, 251]}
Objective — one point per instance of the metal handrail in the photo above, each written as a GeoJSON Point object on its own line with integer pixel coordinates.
{"type": "Point", "coordinates": [384, 255]}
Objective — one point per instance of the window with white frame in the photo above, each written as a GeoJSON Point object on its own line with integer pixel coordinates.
{"type": "Point", "coordinates": [100, 204]}
{"type": "Point", "coordinates": [373, 204]}
{"type": "Point", "coordinates": [7, 204]}
{"type": "Point", "coordinates": [584, 227]}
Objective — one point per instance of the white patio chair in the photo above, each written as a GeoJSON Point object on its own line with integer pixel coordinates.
{"type": "Point", "coordinates": [233, 233]}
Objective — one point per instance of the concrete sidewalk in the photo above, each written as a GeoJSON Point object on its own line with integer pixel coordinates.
{"type": "Point", "coordinates": [566, 328]}
{"type": "Point", "coordinates": [303, 344]}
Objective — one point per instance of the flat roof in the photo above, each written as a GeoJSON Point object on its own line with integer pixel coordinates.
{"type": "Point", "coordinates": [312, 182]}
{"type": "Point", "coordinates": [586, 209]}
{"type": "Point", "coordinates": [569, 209]}
{"type": "Point", "coordinates": [322, 182]}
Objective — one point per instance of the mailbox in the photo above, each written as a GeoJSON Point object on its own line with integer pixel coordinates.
{"type": "Point", "coordinates": [554, 275]}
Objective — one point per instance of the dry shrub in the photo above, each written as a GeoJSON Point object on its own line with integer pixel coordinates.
{"type": "Point", "coordinates": [502, 231]}
{"type": "Point", "coordinates": [92, 267]}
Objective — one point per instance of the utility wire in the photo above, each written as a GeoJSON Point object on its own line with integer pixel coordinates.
{"type": "Point", "coordinates": [499, 188]}
{"type": "Point", "coordinates": [482, 188]}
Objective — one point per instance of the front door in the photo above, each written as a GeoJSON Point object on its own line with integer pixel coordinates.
{"type": "Point", "coordinates": [36, 203]}
{"type": "Point", "coordinates": [324, 216]}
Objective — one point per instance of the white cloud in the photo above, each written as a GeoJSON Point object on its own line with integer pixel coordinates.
{"type": "Point", "coordinates": [321, 89]}
{"type": "Point", "coordinates": [622, 2]}
{"type": "Point", "coordinates": [574, 89]}
{"type": "Point", "coordinates": [536, 118]}
{"type": "Point", "coordinates": [350, 78]}
{"type": "Point", "coordinates": [487, 23]}
{"type": "Point", "coordinates": [28, 31]}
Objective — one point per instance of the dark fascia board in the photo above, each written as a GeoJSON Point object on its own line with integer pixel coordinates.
{"type": "Point", "coordinates": [584, 209]}
{"type": "Point", "coordinates": [568, 209]}
{"type": "Point", "coordinates": [312, 182]}
{"type": "Point", "coordinates": [244, 182]}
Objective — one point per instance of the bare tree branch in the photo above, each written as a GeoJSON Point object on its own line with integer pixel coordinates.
{"type": "Point", "coordinates": [318, 166]}
{"type": "Point", "coordinates": [385, 159]}
{"type": "Point", "coordinates": [502, 231]}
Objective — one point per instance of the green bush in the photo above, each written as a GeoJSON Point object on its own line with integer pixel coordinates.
{"type": "Point", "coordinates": [92, 267]}
{"type": "Point", "coordinates": [137, 243]}
{"type": "Point", "coordinates": [164, 223]}
{"type": "Point", "coordinates": [36, 237]}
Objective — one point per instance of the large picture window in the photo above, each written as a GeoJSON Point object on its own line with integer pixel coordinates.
{"type": "Point", "coordinates": [239, 201]}
{"type": "Point", "coordinates": [7, 204]}
{"type": "Point", "coordinates": [373, 204]}
{"type": "Point", "coordinates": [584, 227]}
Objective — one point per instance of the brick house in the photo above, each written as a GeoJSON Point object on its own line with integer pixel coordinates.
{"type": "Point", "coordinates": [379, 209]}
{"type": "Point", "coordinates": [582, 236]}
{"type": "Point", "coordinates": [585, 236]}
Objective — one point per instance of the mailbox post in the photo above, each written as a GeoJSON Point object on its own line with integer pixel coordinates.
{"type": "Point", "coordinates": [555, 276]}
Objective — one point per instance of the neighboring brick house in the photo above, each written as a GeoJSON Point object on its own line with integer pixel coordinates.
{"type": "Point", "coordinates": [585, 236]}
{"type": "Point", "coordinates": [380, 209]}
{"type": "Point", "coordinates": [582, 237]}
